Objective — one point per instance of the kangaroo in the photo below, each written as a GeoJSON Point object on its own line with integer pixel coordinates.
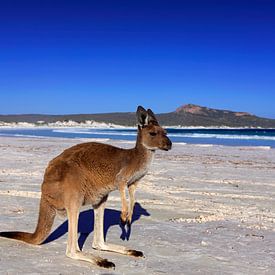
{"type": "Point", "coordinates": [85, 174]}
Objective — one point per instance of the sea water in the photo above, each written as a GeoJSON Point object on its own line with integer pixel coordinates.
{"type": "Point", "coordinates": [228, 136]}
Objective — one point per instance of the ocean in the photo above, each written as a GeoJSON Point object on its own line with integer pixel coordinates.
{"type": "Point", "coordinates": [228, 137]}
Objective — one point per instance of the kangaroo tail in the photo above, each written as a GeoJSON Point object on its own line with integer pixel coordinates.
{"type": "Point", "coordinates": [45, 221]}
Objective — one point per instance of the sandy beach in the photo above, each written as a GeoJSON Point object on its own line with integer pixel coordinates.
{"type": "Point", "coordinates": [201, 209]}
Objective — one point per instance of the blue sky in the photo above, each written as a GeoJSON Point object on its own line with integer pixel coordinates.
{"type": "Point", "coordinates": [104, 56]}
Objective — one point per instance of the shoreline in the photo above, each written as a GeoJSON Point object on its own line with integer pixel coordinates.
{"type": "Point", "coordinates": [121, 141]}
{"type": "Point", "coordinates": [102, 125]}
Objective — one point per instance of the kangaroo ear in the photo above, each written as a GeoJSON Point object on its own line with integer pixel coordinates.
{"type": "Point", "coordinates": [152, 118]}
{"type": "Point", "coordinates": [142, 116]}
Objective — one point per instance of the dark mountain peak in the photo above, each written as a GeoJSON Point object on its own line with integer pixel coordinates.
{"type": "Point", "coordinates": [242, 114]}
{"type": "Point", "coordinates": [200, 110]}
{"type": "Point", "coordinates": [194, 109]}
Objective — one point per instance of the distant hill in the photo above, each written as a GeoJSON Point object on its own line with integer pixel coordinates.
{"type": "Point", "coordinates": [194, 115]}
{"type": "Point", "coordinates": [186, 115]}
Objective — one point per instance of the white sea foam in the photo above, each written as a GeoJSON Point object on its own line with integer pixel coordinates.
{"type": "Point", "coordinates": [179, 135]}
{"type": "Point", "coordinates": [221, 136]}
{"type": "Point", "coordinates": [94, 132]}
{"type": "Point", "coordinates": [24, 135]}
{"type": "Point", "coordinates": [204, 145]}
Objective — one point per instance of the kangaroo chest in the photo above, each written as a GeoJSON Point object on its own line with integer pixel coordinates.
{"type": "Point", "coordinates": [141, 171]}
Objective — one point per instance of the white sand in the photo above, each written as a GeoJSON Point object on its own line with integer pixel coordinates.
{"type": "Point", "coordinates": [212, 211]}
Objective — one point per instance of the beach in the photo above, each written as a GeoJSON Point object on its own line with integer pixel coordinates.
{"type": "Point", "coordinates": [206, 209]}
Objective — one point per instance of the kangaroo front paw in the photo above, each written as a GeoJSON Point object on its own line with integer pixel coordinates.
{"type": "Point", "coordinates": [123, 218]}
{"type": "Point", "coordinates": [126, 218]}
{"type": "Point", "coordinates": [129, 221]}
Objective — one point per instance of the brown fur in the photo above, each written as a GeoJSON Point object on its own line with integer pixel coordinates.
{"type": "Point", "coordinates": [85, 174]}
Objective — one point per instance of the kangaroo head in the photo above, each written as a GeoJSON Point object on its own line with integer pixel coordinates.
{"type": "Point", "coordinates": [152, 135]}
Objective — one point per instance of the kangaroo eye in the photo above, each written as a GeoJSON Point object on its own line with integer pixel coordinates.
{"type": "Point", "coordinates": [153, 134]}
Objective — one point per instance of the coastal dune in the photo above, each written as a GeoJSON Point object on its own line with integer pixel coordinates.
{"type": "Point", "coordinates": [201, 209]}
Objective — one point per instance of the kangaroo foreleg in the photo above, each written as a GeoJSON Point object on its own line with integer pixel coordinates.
{"type": "Point", "coordinates": [132, 189]}
{"type": "Point", "coordinates": [124, 206]}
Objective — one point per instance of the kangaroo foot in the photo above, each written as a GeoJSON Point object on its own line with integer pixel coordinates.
{"type": "Point", "coordinates": [118, 249]}
{"type": "Point", "coordinates": [135, 253]}
{"type": "Point", "coordinates": [78, 255]}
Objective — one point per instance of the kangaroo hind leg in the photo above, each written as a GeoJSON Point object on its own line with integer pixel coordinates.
{"type": "Point", "coordinates": [73, 250]}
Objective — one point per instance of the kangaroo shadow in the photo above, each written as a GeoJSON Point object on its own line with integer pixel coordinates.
{"type": "Point", "coordinates": [86, 224]}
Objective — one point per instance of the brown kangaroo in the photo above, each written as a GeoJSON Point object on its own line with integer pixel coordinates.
{"type": "Point", "coordinates": [85, 174]}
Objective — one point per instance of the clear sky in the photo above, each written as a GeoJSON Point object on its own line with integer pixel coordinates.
{"type": "Point", "coordinates": [94, 56]}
